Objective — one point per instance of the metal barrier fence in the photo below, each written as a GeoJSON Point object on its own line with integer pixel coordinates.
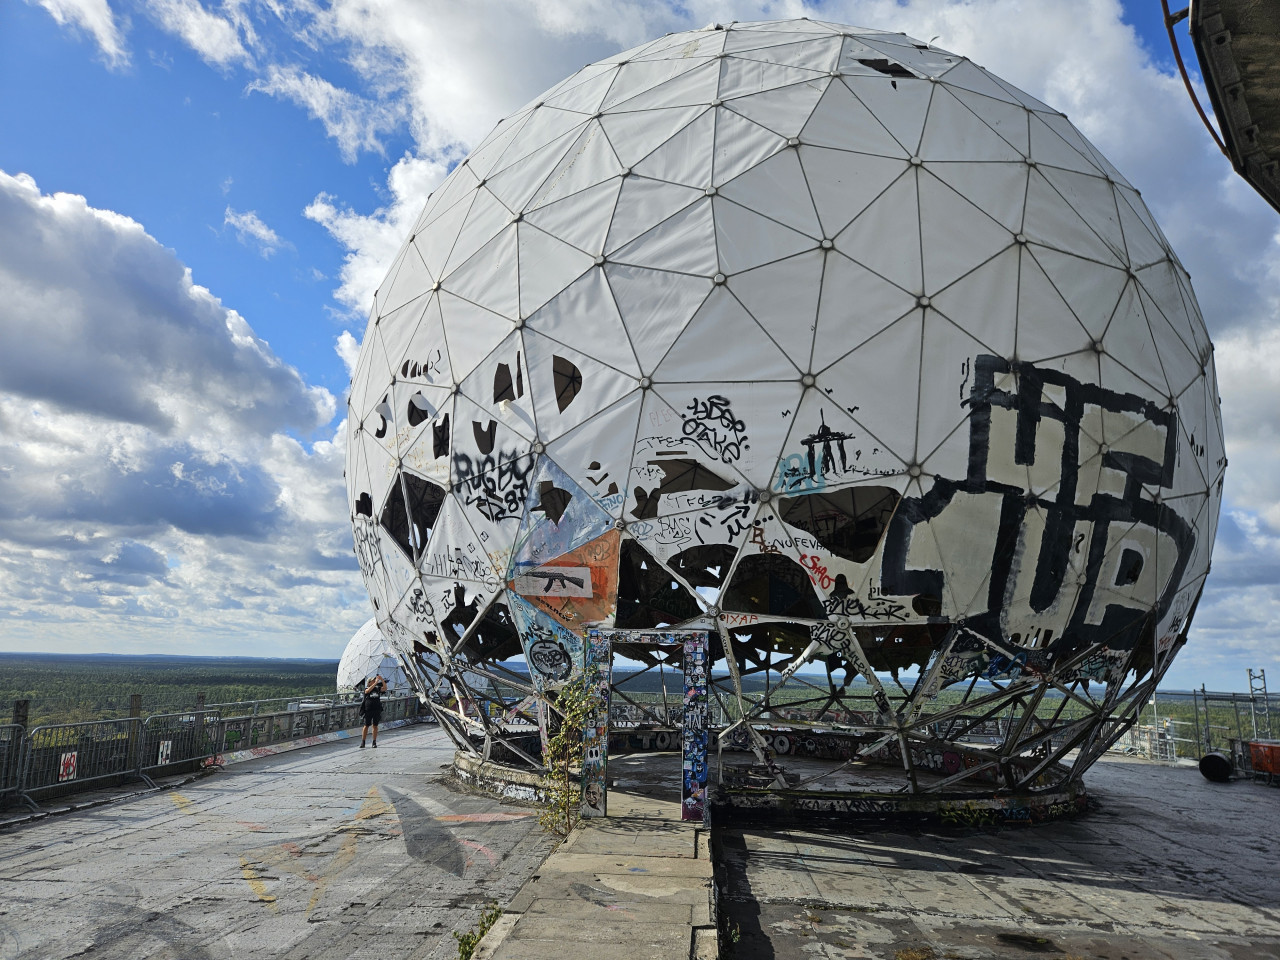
{"type": "Point", "coordinates": [245, 733]}
{"type": "Point", "coordinates": [174, 739]}
{"type": "Point", "coordinates": [58, 754]}
{"type": "Point", "coordinates": [252, 708]}
{"type": "Point", "coordinates": [1192, 723]}
{"type": "Point", "coordinates": [12, 740]}
{"type": "Point", "coordinates": [54, 759]}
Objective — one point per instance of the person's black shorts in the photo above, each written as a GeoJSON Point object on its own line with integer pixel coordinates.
{"type": "Point", "coordinates": [373, 713]}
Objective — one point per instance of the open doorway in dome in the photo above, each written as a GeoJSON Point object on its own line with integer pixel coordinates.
{"type": "Point", "coordinates": [648, 596]}
{"type": "Point", "coordinates": [410, 525]}
{"type": "Point", "coordinates": [774, 584]}
{"type": "Point", "coordinates": [848, 523]}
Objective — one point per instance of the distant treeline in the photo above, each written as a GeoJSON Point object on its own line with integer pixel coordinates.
{"type": "Point", "coordinates": [64, 688]}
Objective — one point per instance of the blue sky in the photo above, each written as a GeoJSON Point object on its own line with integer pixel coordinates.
{"type": "Point", "coordinates": [197, 199]}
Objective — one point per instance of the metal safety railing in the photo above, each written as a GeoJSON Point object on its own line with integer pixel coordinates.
{"type": "Point", "coordinates": [12, 740]}
{"type": "Point", "coordinates": [81, 753]}
{"type": "Point", "coordinates": [171, 740]}
{"type": "Point", "coordinates": [56, 759]}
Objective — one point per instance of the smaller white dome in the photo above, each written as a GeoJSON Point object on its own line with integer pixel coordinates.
{"type": "Point", "coordinates": [370, 653]}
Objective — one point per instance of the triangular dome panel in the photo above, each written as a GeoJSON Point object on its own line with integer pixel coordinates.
{"type": "Point", "coordinates": [684, 242]}
{"type": "Point", "coordinates": [588, 303]}
{"type": "Point", "coordinates": [855, 305]}
{"type": "Point", "coordinates": [878, 385]}
{"type": "Point", "coordinates": [547, 266]}
{"type": "Point", "coordinates": [740, 145]}
{"type": "Point", "coordinates": [841, 121]}
{"type": "Point", "coordinates": [900, 105]}
{"type": "Point", "coordinates": [843, 185]}
{"type": "Point", "coordinates": [490, 278]}
{"type": "Point", "coordinates": [636, 135]}
{"type": "Point", "coordinates": [599, 451]}
{"type": "Point", "coordinates": [470, 331]}
{"type": "Point", "coordinates": [778, 190]}
{"type": "Point", "coordinates": [722, 326]}
{"type": "Point", "coordinates": [885, 237]}
{"type": "Point", "coordinates": [783, 298]}
{"type": "Point", "coordinates": [582, 219]}
{"type": "Point", "coordinates": [655, 306]}
{"type": "Point", "coordinates": [785, 110]}
{"type": "Point", "coordinates": [568, 385]}
{"type": "Point", "coordinates": [745, 239]}
{"type": "Point", "coordinates": [953, 132]}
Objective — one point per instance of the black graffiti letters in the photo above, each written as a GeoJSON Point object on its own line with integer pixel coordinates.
{"type": "Point", "coordinates": [711, 425]}
{"type": "Point", "coordinates": [1024, 420]}
{"type": "Point", "coordinates": [497, 487]}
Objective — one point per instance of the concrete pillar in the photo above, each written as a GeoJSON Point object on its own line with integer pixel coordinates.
{"type": "Point", "coordinates": [200, 702]}
{"type": "Point", "coordinates": [21, 710]}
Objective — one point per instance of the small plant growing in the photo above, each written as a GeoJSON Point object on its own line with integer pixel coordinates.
{"type": "Point", "coordinates": [467, 942]}
{"type": "Point", "coordinates": [563, 756]}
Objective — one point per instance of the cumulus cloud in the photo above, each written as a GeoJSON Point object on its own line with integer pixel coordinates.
{"type": "Point", "coordinates": [464, 68]}
{"type": "Point", "coordinates": [347, 348]}
{"type": "Point", "coordinates": [251, 231]}
{"type": "Point", "coordinates": [450, 72]}
{"type": "Point", "coordinates": [152, 466]}
{"type": "Point", "coordinates": [356, 124]}
{"type": "Point", "coordinates": [372, 239]}
{"type": "Point", "coordinates": [95, 18]}
{"type": "Point", "coordinates": [101, 320]}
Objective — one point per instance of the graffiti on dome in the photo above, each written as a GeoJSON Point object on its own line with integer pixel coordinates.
{"type": "Point", "coordinates": [1078, 527]}
{"type": "Point", "coordinates": [711, 424]}
{"type": "Point", "coordinates": [601, 419]}
{"type": "Point", "coordinates": [497, 487]}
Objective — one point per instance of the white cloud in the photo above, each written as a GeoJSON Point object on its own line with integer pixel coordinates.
{"type": "Point", "coordinates": [151, 461]}
{"type": "Point", "coordinates": [216, 39]}
{"type": "Point", "coordinates": [354, 122]}
{"type": "Point", "coordinates": [251, 231]}
{"type": "Point", "coordinates": [451, 71]}
{"type": "Point", "coordinates": [95, 18]}
{"type": "Point", "coordinates": [347, 348]}
{"type": "Point", "coordinates": [1248, 365]}
{"type": "Point", "coordinates": [464, 67]}
{"type": "Point", "coordinates": [372, 240]}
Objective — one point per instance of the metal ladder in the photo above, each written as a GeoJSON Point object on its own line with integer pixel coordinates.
{"type": "Point", "coordinates": [1260, 704]}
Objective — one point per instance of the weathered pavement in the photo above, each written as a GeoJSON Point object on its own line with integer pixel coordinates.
{"type": "Point", "coordinates": [1169, 866]}
{"type": "Point", "coordinates": [636, 885]}
{"type": "Point", "coordinates": [328, 852]}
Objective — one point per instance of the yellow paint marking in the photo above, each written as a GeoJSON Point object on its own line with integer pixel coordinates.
{"type": "Point", "coordinates": [340, 861]}
{"type": "Point", "coordinates": [482, 817]}
{"type": "Point", "coordinates": [257, 886]}
{"type": "Point", "coordinates": [373, 806]}
{"type": "Point", "coordinates": [184, 804]}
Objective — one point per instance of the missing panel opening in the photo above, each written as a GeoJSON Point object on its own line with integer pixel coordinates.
{"type": "Point", "coordinates": [648, 596]}
{"type": "Point", "coordinates": [847, 523]}
{"type": "Point", "coordinates": [774, 584]}
{"type": "Point", "coordinates": [568, 381]}
{"type": "Point", "coordinates": [410, 527]}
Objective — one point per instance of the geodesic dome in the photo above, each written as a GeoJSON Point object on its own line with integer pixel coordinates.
{"type": "Point", "coordinates": [823, 341]}
{"type": "Point", "coordinates": [367, 654]}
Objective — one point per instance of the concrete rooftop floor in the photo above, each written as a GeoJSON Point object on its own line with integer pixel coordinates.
{"type": "Point", "coordinates": [1168, 867]}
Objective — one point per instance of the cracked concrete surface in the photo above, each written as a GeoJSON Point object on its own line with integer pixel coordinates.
{"type": "Point", "coordinates": [1168, 867]}
{"type": "Point", "coordinates": [324, 853]}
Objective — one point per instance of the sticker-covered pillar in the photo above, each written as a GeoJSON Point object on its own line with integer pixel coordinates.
{"type": "Point", "coordinates": [693, 793]}
{"type": "Point", "coordinates": [597, 676]}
